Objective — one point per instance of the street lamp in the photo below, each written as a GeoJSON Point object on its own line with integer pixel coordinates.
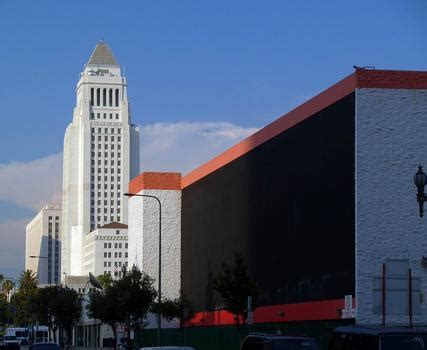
{"type": "Point", "coordinates": [420, 182]}
{"type": "Point", "coordinates": [159, 317]}
{"type": "Point", "coordinates": [43, 257]}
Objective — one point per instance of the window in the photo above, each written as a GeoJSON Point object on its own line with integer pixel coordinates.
{"type": "Point", "coordinates": [98, 115]}
{"type": "Point", "coordinates": [109, 245]}
{"type": "Point", "coordinates": [105, 218]}
{"type": "Point", "coordinates": [120, 245]}
{"type": "Point", "coordinates": [118, 202]}
{"type": "Point", "coordinates": [120, 254]}
{"type": "Point", "coordinates": [112, 130]}
{"type": "Point", "coordinates": [99, 210]}
{"type": "Point", "coordinates": [111, 218]}
{"type": "Point", "coordinates": [117, 116]}
{"type": "Point", "coordinates": [50, 218]}
{"type": "Point", "coordinates": [119, 138]}
{"type": "Point", "coordinates": [99, 129]}
{"type": "Point", "coordinates": [111, 115]}
{"type": "Point", "coordinates": [120, 264]}
{"type": "Point", "coordinates": [105, 115]}
{"type": "Point", "coordinates": [104, 97]}
{"type": "Point", "coordinates": [117, 97]}
{"type": "Point", "coordinates": [117, 232]}
{"type": "Point", "coordinates": [109, 254]}
{"type": "Point", "coordinates": [105, 254]}
{"type": "Point", "coordinates": [110, 99]}
{"type": "Point", "coordinates": [115, 254]}
{"type": "Point", "coordinates": [91, 96]}
{"type": "Point", "coordinates": [98, 97]}
{"type": "Point", "coordinates": [115, 245]}
{"type": "Point", "coordinates": [105, 264]}
{"type": "Point", "coordinates": [92, 115]}
{"type": "Point", "coordinates": [118, 218]}
{"type": "Point", "coordinates": [109, 264]}
{"type": "Point", "coordinates": [105, 245]}
{"type": "Point", "coordinates": [106, 138]}
{"type": "Point", "coordinates": [126, 254]}
{"type": "Point", "coordinates": [126, 245]}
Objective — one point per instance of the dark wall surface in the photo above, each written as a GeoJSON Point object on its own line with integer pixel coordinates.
{"type": "Point", "coordinates": [287, 207]}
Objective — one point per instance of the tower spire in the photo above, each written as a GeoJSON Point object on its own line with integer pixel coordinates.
{"type": "Point", "coordinates": [102, 56]}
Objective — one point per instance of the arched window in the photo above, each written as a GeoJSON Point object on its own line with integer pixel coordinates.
{"type": "Point", "coordinates": [117, 97]}
{"type": "Point", "coordinates": [110, 99]}
{"type": "Point", "coordinates": [91, 96]}
{"type": "Point", "coordinates": [98, 97]}
{"type": "Point", "coordinates": [104, 97]}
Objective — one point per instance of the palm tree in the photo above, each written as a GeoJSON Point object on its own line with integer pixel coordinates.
{"type": "Point", "coordinates": [8, 285]}
{"type": "Point", "coordinates": [105, 280]}
{"type": "Point", "coordinates": [27, 281]}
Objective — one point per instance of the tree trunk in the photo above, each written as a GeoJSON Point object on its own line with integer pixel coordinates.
{"type": "Point", "coordinates": [114, 329]}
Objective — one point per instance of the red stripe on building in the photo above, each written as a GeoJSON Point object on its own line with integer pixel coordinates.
{"type": "Point", "coordinates": [309, 311]}
{"type": "Point", "coordinates": [362, 78]}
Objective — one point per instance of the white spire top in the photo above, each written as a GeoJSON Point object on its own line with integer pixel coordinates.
{"type": "Point", "coordinates": [102, 56]}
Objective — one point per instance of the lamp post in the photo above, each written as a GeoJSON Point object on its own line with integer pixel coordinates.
{"type": "Point", "coordinates": [43, 257]}
{"type": "Point", "coordinates": [159, 317]}
{"type": "Point", "coordinates": [420, 182]}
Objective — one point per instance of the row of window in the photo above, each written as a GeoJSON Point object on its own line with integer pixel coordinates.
{"type": "Point", "coordinates": [98, 115]}
{"type": "Point", "coordinates": [105, 186]}
{"type": "Point", "coordinates": [105, 178]}
{"type": "Point", "coordinates": [116, 273]}
{"type": "Point", "coordinates": [119, 155]}
{"type": "Point", "coordinates": [116, 254]}
{"type": "Point", "coordinates": [92, 203]}
{"type": "Point", "coordinates": [104, 97]}
{"type": "Point", "coordinates": [119, 130]}
{"type": "Point", "coordinates": [56, 218]}
{"type": "Point", "coordinates": [116, 264]}
{"type": "Point", "coordinates": [106, 194]}
{"type": "Point", "coordinates": [92, 219]}
{"type": "Point", "coordinates": [116, 245]}
{"type": "Point", "coordinates": [92, 210]}
{"type": "Point", "coordinates": [100, 148]}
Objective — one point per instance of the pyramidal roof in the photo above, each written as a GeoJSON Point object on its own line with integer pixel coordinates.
{"type": "Point", "coordinates": [102, 55]}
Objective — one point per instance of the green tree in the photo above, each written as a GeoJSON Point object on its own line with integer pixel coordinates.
{"type": "Point", "coordinates": [105, 280]}
{"type": "Point", "coordinates": [8, 286]}
{"type": "Point", "coordinates": [58, 307]}
{"type": "Point", "coordinates": [27, 281]}
{"type": "Point", "coordinates": [137, 295]}
{"type": "Point", "coordinates": [234, 285]}
{"type": "Point", "coordinates": [105, 307]}
{"type": "Point", "coordinates": [179, 308]}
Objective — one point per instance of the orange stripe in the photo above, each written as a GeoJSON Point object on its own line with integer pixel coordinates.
{"type": "Point", "coordinates": [306, 110]}
{"type": "Point", "coordinates": [362, 78]}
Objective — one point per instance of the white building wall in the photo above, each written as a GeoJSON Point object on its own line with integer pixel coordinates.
{"type": "Point", "coordinates": [106, 252]}
{"type": "Point", "coordinates": [391, 129]}
{"type": "Point", "coordinates": [144, 237]}
{"type": "Point", "coordinates": [43, 240]}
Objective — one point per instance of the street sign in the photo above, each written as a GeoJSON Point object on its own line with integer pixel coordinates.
{"type": "Point", "coordinates": [348, 311]}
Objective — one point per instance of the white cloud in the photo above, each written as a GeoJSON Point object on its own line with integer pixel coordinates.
{"type": "Point", "coordinates": [32, 184]}
{"type": "Point", "coordinates": [164, 147]}
{"type": "Point", "coordinates": [12, 247]}
{"type": "Point", "coordinates": [184, 146]}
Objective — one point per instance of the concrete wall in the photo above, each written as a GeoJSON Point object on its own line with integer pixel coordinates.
{"type": "Point", "coordinates": [391, 129]}
{"type": "Point", "coordinates": [144, 237]}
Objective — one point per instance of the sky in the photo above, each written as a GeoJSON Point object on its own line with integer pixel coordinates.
{"type": "Point", "coordinates": [202, 76]}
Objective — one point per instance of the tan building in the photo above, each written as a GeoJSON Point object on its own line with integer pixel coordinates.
{"type": "Point", "coordinates": [43, 246]}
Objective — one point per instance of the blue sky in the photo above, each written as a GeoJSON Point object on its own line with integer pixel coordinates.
{"type": "Point", "coordinates": [194, 66]}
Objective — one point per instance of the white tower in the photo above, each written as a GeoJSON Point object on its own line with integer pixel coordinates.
{"type": "Point", "coordinates": [101, 155]}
